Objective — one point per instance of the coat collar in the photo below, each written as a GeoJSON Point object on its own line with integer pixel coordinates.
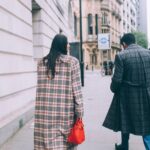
{"type": "Point", "coordinates": [63, 58]}
{"type": "Point", "coordinates": [133, 47]}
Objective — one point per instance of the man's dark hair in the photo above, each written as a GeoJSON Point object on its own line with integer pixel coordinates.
{"type": "Point", "coordinates": [128, 39]}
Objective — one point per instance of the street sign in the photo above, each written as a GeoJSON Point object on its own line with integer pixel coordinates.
{"type": "Point", "coordinates": [104, 41]}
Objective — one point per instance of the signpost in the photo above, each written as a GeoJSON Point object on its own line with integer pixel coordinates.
{"type": "Point", "coordinates": [104, 44]}
{"type": "Point", "coordinates": [104, 41]}
{"type": "Point", "coordinates": [76, 47]}
{"type": "Point", "coordinates": [81, 41]}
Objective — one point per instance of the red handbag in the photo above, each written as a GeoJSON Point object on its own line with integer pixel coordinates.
{"type": "Point", "coordinates": [77, 135]}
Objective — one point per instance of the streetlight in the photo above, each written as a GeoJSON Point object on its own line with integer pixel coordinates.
{"type": "Point", "coordinates": [81, 50]}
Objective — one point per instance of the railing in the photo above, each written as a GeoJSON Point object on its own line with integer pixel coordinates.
{"type": "Point", "coordinates": [91, 38]}
{"type": "Point", "coordinates": [105, 24]}
{"type": "Point", "coordinates": [114, 44]}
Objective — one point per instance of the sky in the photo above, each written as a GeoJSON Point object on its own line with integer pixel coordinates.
{"type": "Point", "coordinates": [148, 17]}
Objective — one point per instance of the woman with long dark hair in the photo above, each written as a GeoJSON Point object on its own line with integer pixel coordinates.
{"type": "Point", "coordinates": [58, 98]}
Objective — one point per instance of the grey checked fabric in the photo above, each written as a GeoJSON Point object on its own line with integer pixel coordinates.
{"type": "Point", "coordinates": [58, 102]}
{"type": "Point", "coordinates": [130, 108]}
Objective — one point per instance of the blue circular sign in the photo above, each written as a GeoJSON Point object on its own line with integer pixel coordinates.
{"type": "Point", "coordinates": [103, 40]}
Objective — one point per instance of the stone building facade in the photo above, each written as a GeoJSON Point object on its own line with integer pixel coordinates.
{"type": "Point", "coordinates": [26, 30]}
{"type": "Point", "coordinates": [130, 15]}
{"type": "Point", "coordinates": [100, 16]}
{"type": "Point", "coordinates": [90, 29]}
{"type": "Point", "coordinates": [111, 17]}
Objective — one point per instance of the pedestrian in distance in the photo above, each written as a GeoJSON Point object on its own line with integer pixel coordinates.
{"type": "Point", "coordinates": [58, 98]}
{"type": "Point", "coordinates": [92, 68]}
{"type": "Point", "coordinates": [111, 65]}
{"type": "Point", "coordinates": [87, 67]}
{"type": "Point", "coordinates": [105, 66]}
{"type": "Point", "coordinates": [130, 108]}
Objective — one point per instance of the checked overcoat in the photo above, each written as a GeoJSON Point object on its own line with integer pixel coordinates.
{"type": "Point", "coordinates": [58, 103]}
{"type": "Point", "coordinates": [130, 108]}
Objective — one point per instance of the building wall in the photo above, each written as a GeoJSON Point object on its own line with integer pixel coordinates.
{"type": "Point", "coordinates": [130, 15]}
{"type": "Point", "coordinates": [17, 66]}
{"type": "Point", "coordinates": [48, 21]}
{"type": "Point", "coordinates": [26, 30]}
{"type": "Point", "coordinates": [111, 23]}
{"type": "Point", "coordinates": [115, 21]}
{"type": "Point", "coordinates": [92, 54]}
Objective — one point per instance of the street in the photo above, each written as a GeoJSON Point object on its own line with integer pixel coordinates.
{"type": "Point", "coordinates": [97, 98]}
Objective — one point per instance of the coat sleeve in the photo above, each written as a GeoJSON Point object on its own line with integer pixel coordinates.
{"type": "Point", "coordinates": [76, 88]}
{"type": "Point", "coordinates": [118, 74]}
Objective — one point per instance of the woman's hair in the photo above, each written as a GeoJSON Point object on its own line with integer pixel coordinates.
{"type": "Point", "coordinates": [58, 47]}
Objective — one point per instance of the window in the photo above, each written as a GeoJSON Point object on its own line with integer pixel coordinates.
{"type": "Point", "coordinates": [96, 24]}
{"type": "Point", "coordinates": [104, 19]}
{"type": "Point", "coordinates": [75, 25]}
{"type": "Point", "coordinates": [90, 24]}
{"type": "Point", "coordinates": [105, 31]}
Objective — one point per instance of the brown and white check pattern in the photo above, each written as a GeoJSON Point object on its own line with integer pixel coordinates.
{"type": "Point", "coordinates": [58, 102]}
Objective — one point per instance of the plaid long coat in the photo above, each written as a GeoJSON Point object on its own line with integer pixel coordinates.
{"type": "Point", "coordinates": [130, 108]}
{"type": "Point", "coordinates": [58, 103]}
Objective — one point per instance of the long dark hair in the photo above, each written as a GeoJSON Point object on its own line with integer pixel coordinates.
{"type": "Point", "coordinates": [58, 47]}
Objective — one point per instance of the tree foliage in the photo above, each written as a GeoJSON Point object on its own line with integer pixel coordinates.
{"type": "Point", "coordinates": [141, 39]}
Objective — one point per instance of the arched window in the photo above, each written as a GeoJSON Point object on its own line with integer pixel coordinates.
{"type": "Point", "coordinates": [96, 24]}
{"type": "Point", "coordinates": [104, 18]}
{"type": "Point", "coordinates": [90, 24]}
{"type": "Point", "coordinates": [75, 25]}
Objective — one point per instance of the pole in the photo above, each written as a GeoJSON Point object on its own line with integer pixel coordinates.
{"type": "Point", "coordinates": [81, 41]}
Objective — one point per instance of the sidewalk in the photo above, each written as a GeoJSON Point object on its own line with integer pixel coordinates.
{"type": "Point", "coordinates": [97, 98]}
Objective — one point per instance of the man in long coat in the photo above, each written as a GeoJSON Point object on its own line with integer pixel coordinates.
{"type": "Point", "coordinates": [130, 108]}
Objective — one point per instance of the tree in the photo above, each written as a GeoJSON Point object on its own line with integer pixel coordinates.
{"type": "Point", "coordinates": [141, 39]}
